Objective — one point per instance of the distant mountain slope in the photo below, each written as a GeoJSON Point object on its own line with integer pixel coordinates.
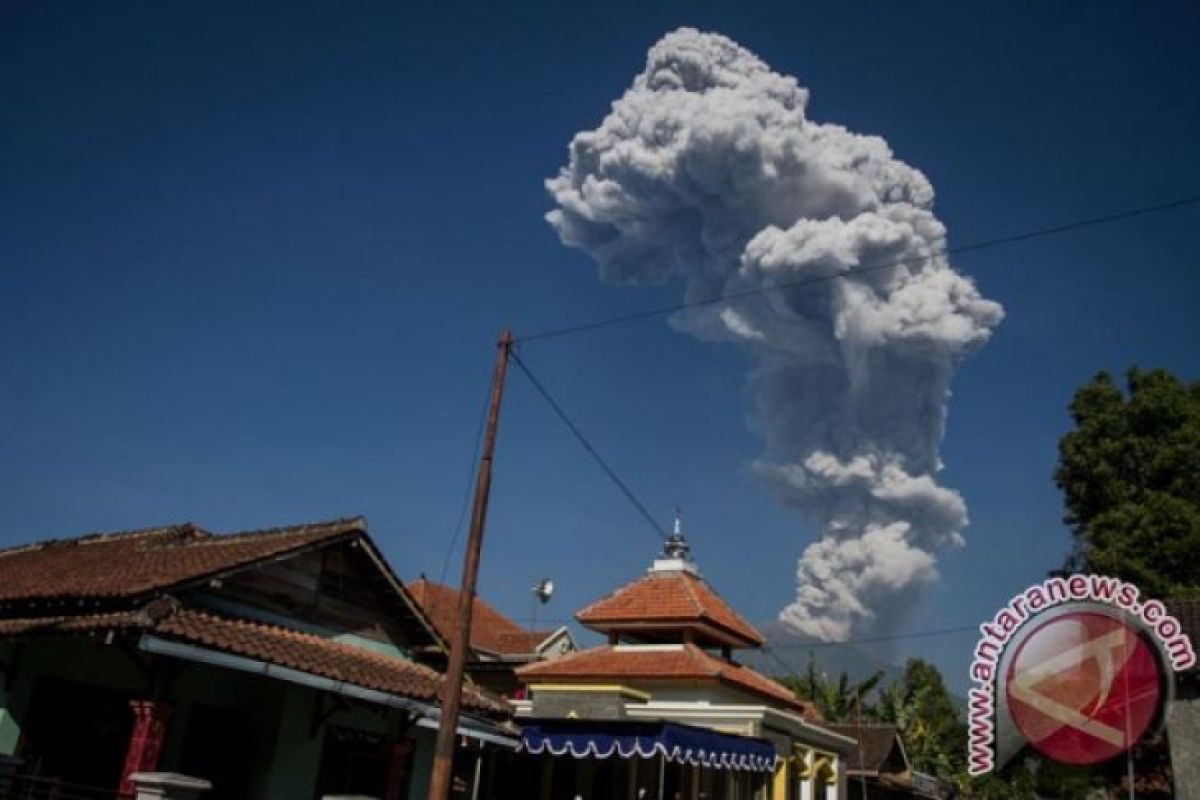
{"type": "Point", "coordinates": [789, 653]}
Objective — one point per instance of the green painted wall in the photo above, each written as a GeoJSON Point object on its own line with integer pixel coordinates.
{"type": "Point", "coordinates": [296, 755]}
{"type": "Point", "coordinates": [10, 729]}
{"type": "Point", "coordinates": [418, 784]}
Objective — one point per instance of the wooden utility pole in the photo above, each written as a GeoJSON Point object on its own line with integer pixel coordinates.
{"type": "Point", "coordinates": [443, 754]}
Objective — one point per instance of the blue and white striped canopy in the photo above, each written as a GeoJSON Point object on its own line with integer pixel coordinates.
{"type": "Point", "coordinates": [677, 743]}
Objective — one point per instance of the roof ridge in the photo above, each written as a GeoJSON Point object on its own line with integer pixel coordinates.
{"type": "Point", "coordinates": [181, 529]}
{"type": "Point", "coordinates": [717, 598]}
{"type": "Point", "coordinates": [188, 531]}
{"type": "Point", "coordinates": [692, 594]}
{"type": "Point", "coordinates": [283, 530]}
{"type": "Point", "coordinates": [706, 659]}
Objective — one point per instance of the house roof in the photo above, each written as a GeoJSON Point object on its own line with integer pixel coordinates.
{"type": "Point", "coordinates": [662, 662]}
{"type": "Point", "coordinates": [166, 618]}
{"type": "Point", "coordinates": [877, 744]}
{"type": "Point", "coordinates": [491, 632]}
{"type": "Point", "coordinates": [672, 599]}
{"type": "Point", "coordinates": [132, 564]}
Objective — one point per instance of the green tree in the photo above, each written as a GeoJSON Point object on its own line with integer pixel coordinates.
{"type": "Point", "coordinates": [1130, 475]}
{"type": "Point", "coordinates": [934, 735]}
{"type": "Point", "coordinates": [918, 705]}
{"type": "Point", "coordinates": [838, 701]}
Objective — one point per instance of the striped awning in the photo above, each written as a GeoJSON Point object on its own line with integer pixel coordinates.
{"type": "Point", "coordinates": [677, 743]}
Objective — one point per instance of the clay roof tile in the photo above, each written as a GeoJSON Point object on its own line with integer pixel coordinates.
{"type": "Point", "coordinates": [673, 598]}
{"type": "Point", "coordinates": [661, 663]}
{"type": "Point", "coordinates": [491, 631]}
{"type": "Point", "coordinates": [134, 563]}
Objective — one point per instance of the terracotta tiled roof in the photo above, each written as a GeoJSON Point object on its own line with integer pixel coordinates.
{"type": "Point", "coordinates": [661, 663]}
{"type": "Point", "coordinates": [876, 742]}
{"type": "Point", "coordinates": [675, 597]}
{"type": "Point", "coordinates": [521, 642]}
{"type": "Point", "coordinates": [269, 643]}
{"type": "Point", "coordinates": [313, 654]}
{"type": "Point", "coordinates": [491, 631]}
{"type": "Point", "coordinates": [134, 563]}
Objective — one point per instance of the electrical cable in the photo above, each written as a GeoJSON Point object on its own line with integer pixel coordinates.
{"type": "Point", "coordinates": [466, 503]}
{"type": "Point", "coordinates": [1037, 233]}
{"type": "Point", "coordinates": [985, 244]}
{"type": "Point", "coordinates": [587, 445]}
{"type": "Point", "coordinates": [876, 639]}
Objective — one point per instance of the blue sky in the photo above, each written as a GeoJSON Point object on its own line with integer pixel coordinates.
{"type": "Point", "coordinates": [253, 263]}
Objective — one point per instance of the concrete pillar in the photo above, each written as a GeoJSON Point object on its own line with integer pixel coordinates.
{"type": "Point", "coordinates": [804, 772]}
{"type": "Point", "coordinates": [167, 786]}
{"type": "Point", "coordinates": [145, 741]}
{"type": "Point", "coordinates": [779, 787]}
{"type": "Point", "coordinates": [834, 789]}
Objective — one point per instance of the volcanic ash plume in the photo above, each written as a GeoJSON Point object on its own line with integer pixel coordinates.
{"type": "Point", "coordinates": [708, 170]}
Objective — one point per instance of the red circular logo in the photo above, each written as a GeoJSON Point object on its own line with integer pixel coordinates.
{"type": "Point", "coordinates": [1083, 687]}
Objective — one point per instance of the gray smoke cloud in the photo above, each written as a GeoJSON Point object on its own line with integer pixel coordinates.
{"type": "Point", "coordinates": [708, 171]}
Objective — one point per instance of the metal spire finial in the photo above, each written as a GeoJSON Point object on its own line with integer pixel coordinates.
{"type": "Point", "coordinates": [675, 545]}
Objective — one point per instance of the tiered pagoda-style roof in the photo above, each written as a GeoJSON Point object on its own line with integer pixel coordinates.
{"type": "Point", "coordinates": [665, 627]}
{"type": "Point", "coordinates": [664, 663]}
{"type": "Point", "coordinates": [671, 603]}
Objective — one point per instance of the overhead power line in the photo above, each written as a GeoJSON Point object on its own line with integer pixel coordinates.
{"type": "Point", "coordinates": [875, 639]}
{"type": "Point", "coordinates": [986, 244]}
{"type": "Point", "coordinates": [587, 445]}
{"type": "Point", "coordinates": [466, 499]}
{"type": "Point", "coordinates": [436, 597]}
{"type": "Point", "coordinates": [769, 650]}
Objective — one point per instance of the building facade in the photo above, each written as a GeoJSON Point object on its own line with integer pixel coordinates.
{"type": "Point", "coordinates": [662, 710]}
{"type": "Point", "coordinates": [878, 767]}
{"type": "Point", "coordinates": [281, 663]}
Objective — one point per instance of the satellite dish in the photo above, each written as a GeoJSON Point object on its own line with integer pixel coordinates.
{"type": "Point", "coordinates": [543, 590]}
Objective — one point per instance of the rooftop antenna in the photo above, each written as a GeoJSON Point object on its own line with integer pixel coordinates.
{"type": "Point", "coordinates": [543, 590]}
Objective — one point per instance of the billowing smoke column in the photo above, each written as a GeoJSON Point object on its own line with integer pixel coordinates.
{"type": "Point", "coordinates": [707, 170]}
